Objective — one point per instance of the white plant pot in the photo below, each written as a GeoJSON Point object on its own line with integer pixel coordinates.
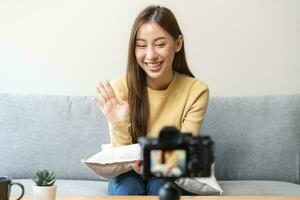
{"type": "Point", "coordinates": [44, 192]}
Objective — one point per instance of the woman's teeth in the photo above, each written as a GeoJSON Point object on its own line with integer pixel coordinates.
{"type": "Point", "coordinates": [154, 64]}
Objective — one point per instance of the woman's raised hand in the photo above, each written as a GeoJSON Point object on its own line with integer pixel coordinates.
{"type": "Point", "coordinates": [110, 106]}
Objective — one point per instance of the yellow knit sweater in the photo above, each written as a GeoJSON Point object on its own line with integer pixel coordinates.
{"type": "Point", "coordinates": [183, 105]}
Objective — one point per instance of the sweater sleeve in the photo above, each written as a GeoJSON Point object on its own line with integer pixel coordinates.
{"type": "Point", "coordinates": [197, 105]}
{"type": "Point", "coordinates": [119, 130]}
{"type": "Point", "coordinates": [119, 133]}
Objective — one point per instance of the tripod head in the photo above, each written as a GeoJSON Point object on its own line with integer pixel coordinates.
{"type": "Point", "coordinates": [169, 191]}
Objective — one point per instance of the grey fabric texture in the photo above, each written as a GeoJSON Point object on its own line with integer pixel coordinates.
{"type": "Point", "coordinates": [259, 188]}
{"type": "Point", "coordinates": [66, 187]}
{"type": "Point", "coordinates": [256, 138]}
{"type": "Point", "coordinates": [52, 132]}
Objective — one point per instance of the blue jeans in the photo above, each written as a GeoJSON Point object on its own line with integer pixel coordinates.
{"type": "Point", "coordinates": [131, 183]}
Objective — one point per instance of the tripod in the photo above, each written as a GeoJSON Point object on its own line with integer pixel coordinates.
{"type": "Point", "coordinates": [169, 191]}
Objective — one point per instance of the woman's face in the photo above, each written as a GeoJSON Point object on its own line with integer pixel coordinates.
{"type": "Point", "coordinates": [155, 49]}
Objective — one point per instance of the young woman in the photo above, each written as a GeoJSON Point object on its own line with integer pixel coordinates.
{"type": "Point", "coordinates": [158, 90]}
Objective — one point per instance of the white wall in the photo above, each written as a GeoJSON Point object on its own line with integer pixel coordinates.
{"type": "Point", "coordinates": [238, 47]}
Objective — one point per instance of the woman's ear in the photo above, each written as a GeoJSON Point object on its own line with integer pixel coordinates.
{"type": "Point", "coordinates": [179, 43]}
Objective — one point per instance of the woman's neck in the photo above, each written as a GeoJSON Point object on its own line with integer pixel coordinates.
{"type": "Point", "coordinates": [162, 83]}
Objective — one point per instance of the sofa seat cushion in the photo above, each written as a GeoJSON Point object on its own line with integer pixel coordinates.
{"type": "Point", "coordinates": [80, 187]}
{"type": "Point", "coordinates": [67, 187]}
{"type": "Point", "coordinates": [259, 188]}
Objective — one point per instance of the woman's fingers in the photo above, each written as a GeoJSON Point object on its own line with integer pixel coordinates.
{"type": "Point", "coordinates": [106, 91]}
{"type": "Point", "coordinates": [110, 90]}
{"type": "Point", "coordinates": [105, 107]}
{"type": "Point", "coordinates": [107, 101]}
{"type": "Point", "coordinates": [107, 96]}
{"type": "Point", "coordinates": [102, 91]}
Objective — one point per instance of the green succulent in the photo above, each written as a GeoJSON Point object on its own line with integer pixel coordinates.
{"type": "Point", "coordinates": [44, 178]}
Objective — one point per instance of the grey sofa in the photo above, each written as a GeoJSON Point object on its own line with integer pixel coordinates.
{"type": "Point", "coordinates": [257, 142]}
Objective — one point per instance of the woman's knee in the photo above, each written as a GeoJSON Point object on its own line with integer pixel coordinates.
{"type": "Point", "coordinates": [126, 184]}
{"type": "Point", "coordinates": [154, 185]}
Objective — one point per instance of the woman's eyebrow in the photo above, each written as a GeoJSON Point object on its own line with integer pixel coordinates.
{"type": "Point", "coordinates": [160, 38]}
{"type": "Point", "coordinates": [140, 39]}
{"type": "Point", "coordinates": [144, 40]}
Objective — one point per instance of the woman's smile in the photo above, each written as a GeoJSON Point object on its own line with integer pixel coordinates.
{"type": "Point", "coordinates": [154, 66]}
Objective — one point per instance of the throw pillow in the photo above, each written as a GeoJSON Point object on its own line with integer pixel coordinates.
{"type": "Point", "coordinates": [201, 185]}
{"type": "Point", "coordinates": [111, 162]}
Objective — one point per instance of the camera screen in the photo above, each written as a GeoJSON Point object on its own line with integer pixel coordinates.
{"type": "Point", "coordinates": [167, 163]}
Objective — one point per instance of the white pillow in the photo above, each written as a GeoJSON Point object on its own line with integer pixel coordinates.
{"type": "Point", "coordinates": [111, 154]}
{"type": "Point", "coordinates": [111, 162]}
{"type": "Point", "coordinates": [201, 185]}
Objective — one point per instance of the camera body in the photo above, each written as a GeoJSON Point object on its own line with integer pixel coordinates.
{"type": "Point", "coordinates": [174, 154]}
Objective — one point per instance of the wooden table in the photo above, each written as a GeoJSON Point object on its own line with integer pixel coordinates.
{"type": "Point", "coordinates": [181, 198]}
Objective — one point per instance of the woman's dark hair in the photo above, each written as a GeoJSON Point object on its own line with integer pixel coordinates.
{"type": "Point", "coordinates": [136, 77]}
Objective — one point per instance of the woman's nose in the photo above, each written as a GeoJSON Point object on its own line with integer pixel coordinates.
{"type": "Point", "coordinates": [151, 54]}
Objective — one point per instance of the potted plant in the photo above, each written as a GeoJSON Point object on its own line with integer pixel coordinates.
{"type": "Point", "coordinates": [44, 188]}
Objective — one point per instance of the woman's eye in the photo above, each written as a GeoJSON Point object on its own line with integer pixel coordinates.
{"type": "Point", "coordinates": [140, 46]}
{"type": "Point", "coordinates": [160, 45]}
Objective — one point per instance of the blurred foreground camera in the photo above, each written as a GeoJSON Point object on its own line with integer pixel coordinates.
{"type": "Point", "coordinates": [174, 154]}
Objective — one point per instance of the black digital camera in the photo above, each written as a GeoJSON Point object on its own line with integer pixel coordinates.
{"type": "Point", "coordinates": [174, 154]}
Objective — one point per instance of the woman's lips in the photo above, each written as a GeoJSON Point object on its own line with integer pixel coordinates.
{"type": "Point", "coordinates": [154, 66]}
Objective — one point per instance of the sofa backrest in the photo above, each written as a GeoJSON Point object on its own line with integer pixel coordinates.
{"type": "Point", "coordinates": [52, 132]}
{"type": "Point", "coordinates": [256, 138]}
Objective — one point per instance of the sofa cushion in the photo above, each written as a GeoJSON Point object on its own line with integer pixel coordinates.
{"type": "Point", "coordinates": [256, 138]}
{"type": "Point", "coordinates": [79, 187]}
{"type": "Point", "coordinates": [67, 187]}
{"type": "Point", "coordinates": [259, 188]}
